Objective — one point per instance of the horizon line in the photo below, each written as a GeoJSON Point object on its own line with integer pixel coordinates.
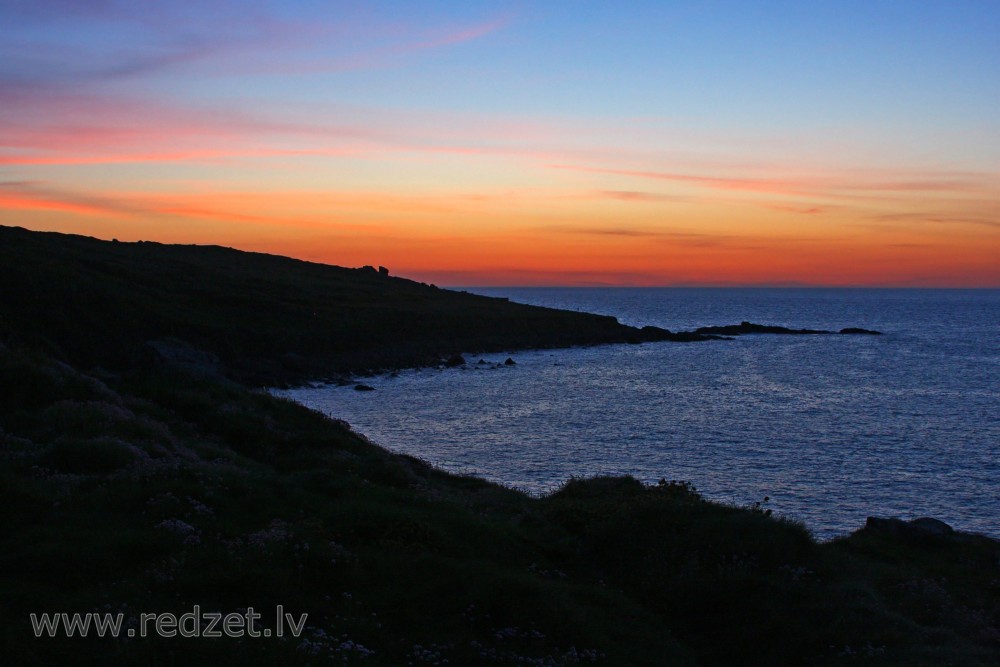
{"type": "Point", "coordinates": [442, 285]}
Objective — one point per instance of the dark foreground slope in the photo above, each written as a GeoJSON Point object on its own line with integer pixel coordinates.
{"type": "Point", "coordinates": [267, 319]}
{"type": "Point", "coordinates": [154, 488]}
{"type": "Point", "coordinates": [156, 492]}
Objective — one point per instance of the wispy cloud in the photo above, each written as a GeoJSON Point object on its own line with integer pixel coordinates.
{"type": "Point", "coordinates": [801, 210]}
{"type": "Point", "coordinates": [613, 231]}
{"type": "Point", "coordinates": [465, 34]}
{"type": "Point", "coordinates": [771, 186]}
{"type": "Point", "coordinates": [395, 53]}
{"type": "Point", "coordinates": [64, 127]}
{"type": "Point", "coordinates": [667, 236]}
{"type": "Point", "coordinates": [28, 195]}
{"type": "Point", "coordinates": [103, 42]}
{"type": "Point", "coordinates": [639, 196]}
{"type": "Point", "coordinates": [507, 276]}
{"type": "Point", "coordinates": [988, 220]}
{"type": "Point", "coordinates": [69, 128]}
{"type": "Point", "coordinates": [285, 208]}
{"type": "Point", "coordinates": [806, 184]}
{"type": "Point", "coordinates": [945, 197]}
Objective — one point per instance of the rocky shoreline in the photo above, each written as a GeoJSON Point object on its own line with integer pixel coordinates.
{"type": "Point", "coordinates": [748, 328]}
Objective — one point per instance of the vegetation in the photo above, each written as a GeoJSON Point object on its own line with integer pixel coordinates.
{"type": "Point", "coordinates": [265, 319]}
{"type": "Point", "coordinates": [132, 486]}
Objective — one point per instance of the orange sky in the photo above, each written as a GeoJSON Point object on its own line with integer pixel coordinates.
{"type": "Point", "coordinates": [485, 147]}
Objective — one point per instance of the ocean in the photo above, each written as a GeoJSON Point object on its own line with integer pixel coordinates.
{"type": "Point", "coordinates": [830, 429]}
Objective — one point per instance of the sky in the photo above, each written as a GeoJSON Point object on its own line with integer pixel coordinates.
{"type": "Point", "coordinates": [828, 142]}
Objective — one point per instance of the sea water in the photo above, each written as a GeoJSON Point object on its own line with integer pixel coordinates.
{"type": "Point", "coordinates": [831, 429]}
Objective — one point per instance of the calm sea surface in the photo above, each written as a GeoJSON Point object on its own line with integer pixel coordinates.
{"type": "Point", "coordinates": [831, 428]}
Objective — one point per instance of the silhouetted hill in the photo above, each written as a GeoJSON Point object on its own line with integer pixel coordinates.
{"type": "Point", "coordinates": [267, 318]}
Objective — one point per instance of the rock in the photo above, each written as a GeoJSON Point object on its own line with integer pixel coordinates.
{"type": "Point", "coordinates": [931, 525]}
{"type": "Point", "coordinates": [363, 387]}
{"type": "Point", "coordinates": [509, 362]}
{"type": "Point", "coordinates": [483, 362]}
{"type": "Point", "coordinates": [693, 337]}
{"type": "Point", "coordinates": [654, 334]}
{"type": "Point", "coordinates": [751, 328]}
{"type": "Point", "coordinates": [454, 360]}
{"type": "Point", "coordinates": [921, 528]}
{"type": "Point", "coordinates": [384, 272]}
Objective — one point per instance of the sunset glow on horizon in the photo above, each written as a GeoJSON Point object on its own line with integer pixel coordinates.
{"type": "Point", "coordinates": [491, 143]}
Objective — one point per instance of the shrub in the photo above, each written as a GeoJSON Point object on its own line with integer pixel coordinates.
{"type": "Point", "coordinates": [93, 456]}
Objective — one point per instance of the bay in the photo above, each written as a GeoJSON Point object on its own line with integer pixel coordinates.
{"type": "Point", "coordinates": [830, 429]}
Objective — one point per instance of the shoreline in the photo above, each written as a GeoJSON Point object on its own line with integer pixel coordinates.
{"type": "Point", "coordinates": [455, 390]}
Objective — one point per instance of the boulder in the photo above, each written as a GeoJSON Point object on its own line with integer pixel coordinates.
{"type": "Point", "coordinates": [922, 528]}
{"type": "Point", "coordinates": [509, 362]}
{"type": "Point", "coordinates": [363, 387]}
{"type": "Point", "coordinates": [931, 525]}
{"type": "Point", "coordinates": [454, 360]}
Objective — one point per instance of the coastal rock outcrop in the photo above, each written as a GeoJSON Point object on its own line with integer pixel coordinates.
{"type": "Point", "coordinates": [648, 334]}
{"type": "Point", "coordinates": [454, 361]}
{"type": "Point", "coordinates": [750, 328]}
{"type": "Point", "coordinates": [922, 528]}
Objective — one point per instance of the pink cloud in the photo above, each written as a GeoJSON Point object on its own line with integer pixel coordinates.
{"type": "Point", "coordinates": [207, 155]}
{"type": "Point", "coordinates": [834, 186]}
{"type": "Point", "coordinates": [802, 210]}
{"type": "Point", "coordinates": [638, 196]}
{"type": "Point", "coordinates": [466, 34]}
{"type": "Point", "coordinates": [771, 186]}
{"type": "Point", "coordinates": [52, 127]}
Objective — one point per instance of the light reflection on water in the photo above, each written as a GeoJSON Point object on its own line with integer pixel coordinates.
{"type": "Point", "coordinates": [831, 428]}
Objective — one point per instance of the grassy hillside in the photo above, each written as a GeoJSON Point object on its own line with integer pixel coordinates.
{"type": "Point", "coordinates": [153, 487]}
{"type": "Point", "coordinates": [267, 318]}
